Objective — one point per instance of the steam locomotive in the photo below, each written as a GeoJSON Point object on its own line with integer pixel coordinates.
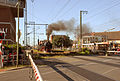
{"type": "Point", "coordinates": [45, 46]}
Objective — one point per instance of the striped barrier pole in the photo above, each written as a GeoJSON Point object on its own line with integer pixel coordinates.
{"type": "Point", "coordinates": [35, 69]}
{"type": "Point", "coordinates": [2, 58]}
{"type": "Point", "coordinates": [1, 61]}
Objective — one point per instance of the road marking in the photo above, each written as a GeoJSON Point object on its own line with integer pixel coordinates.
{"type": "Point", "coordinates": [110, 71]}
{"type": "Point", "coordinates": [107, 60]}
{"type": "Point", "coordinates": [90, 64]}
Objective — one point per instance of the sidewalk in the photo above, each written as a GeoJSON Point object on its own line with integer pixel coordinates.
{"type": "Point", "coordinates": [14, 68]}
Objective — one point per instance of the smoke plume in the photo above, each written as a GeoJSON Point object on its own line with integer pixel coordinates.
{"type": "Point", "coordinates": [61, 26]}
{"type": "Point", "coordinates": [85, 29]}
{"type": "Point", "coordinates": [68, 26]}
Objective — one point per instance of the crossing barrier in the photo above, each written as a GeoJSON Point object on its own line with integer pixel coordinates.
{"type": "Point", "coordinates": [35, 69]}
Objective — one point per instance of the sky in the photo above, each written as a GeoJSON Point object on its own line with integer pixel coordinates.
{"type": "Point", "coordinates": [102, 15]}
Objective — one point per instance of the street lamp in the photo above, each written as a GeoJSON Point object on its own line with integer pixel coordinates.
{"type": "Point", "coordinates": [108, 31]}
{"type": "Point", "coordinates": [107, 36]}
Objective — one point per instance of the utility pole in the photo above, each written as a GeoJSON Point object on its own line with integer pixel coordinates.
{"type": "Point", "coordinates": [38, 40]}
{"type": "Point", "coordinates": [34, 24]}
{"type": "Point", "coordinates": [47, 33]}
{"type": "Point", "coordinates": [34, 35]}
{"type": "Point", "coordinates": [18, 5]}
{"type": "Point", "coordinates": [81, 29]}
{"type": "Point", "coordinates": [28, 41]}
{"type": "Point", "coordinates": [81, 26]}
{"type": "Point", "coordinates": [25, 25]}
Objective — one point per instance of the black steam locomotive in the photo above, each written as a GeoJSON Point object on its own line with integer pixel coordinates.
{"type": "Point", "coordinates": [45, 46]}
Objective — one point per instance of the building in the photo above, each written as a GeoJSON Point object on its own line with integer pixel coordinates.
{"type": "Point", "coordinates": [8, 13]}
{"type": "Point", "coordinates": [113, 36]}
{"type": "Point", "coordinates": [93, 39]}
{"type": "Point", "coordinates": [107, 40]}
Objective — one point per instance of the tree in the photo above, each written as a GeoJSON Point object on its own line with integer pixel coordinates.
{"type": "Point", "coordinates": [58, 41]}
{"type": "Point", "coordinates": [62, 41]}
{"type": "Point", "coordinates": [67, 42]}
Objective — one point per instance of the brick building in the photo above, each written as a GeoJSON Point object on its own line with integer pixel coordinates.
{"type": "Point", "coordinates": [8, 13]}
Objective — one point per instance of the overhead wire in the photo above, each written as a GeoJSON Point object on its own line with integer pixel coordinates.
{"type": "Point", "coordinates": [110, 24]}
{"type": "Point", "coordinates": [118, 3]}
{"type": "Point", "coordinates": [64, 6]}
{"type": "Point", "coordinates": [112, 21]}
{"type": "Point", "coordinates": [37, 17]}
{"type": "Point", "coordinates": [35, 30]}
{"type": "Point", "coordinates": [53, 9]}
{"type": "Point", "coordinates": [75, 4]}
{"type": "Point", "coordinates": [92, 9]}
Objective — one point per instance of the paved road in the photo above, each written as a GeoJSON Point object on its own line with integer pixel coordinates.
{"type": "Point", "coordinates": [81, 68]}
{"type": "Point", "coordinates": [77, 68]}
{"type": "Point", "coordinates": [16, 75]}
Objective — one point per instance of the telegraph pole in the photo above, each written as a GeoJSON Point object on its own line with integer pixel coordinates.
{"type": "Point", "coordinates": [38, 40]}
{"type": "Point", "coordinates": [81, 29]}
{"type": "Point", "coordinates": [25, 25]}
{"type": "Point", "coordinates": [81, 12]}
{"type": "Point", "coordinates": [18, 5]}
{"type": "Point", "coordinates": [28, 41]}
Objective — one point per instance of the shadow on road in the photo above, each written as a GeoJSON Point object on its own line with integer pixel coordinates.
{"type": "Point", "coordinates": [53, 64]}
{"type": "Point", "coordinates": [111, 64]}
{"type": "Point", "coordinates": [92, 76]}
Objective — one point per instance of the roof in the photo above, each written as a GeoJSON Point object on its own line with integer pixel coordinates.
{"type": "Point", "coordinates": [115, 35]}
{"type": "Point", "coordinates": [92, 36]}
{"type": "Point", "coordinates": [12, 3]}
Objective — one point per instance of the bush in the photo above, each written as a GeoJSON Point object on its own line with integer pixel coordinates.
{"type": "Point", "coordinates": [84, 49]}
{"type": "Point", "coordinates": [87, 52]}
{"type": "Point", "coordinates": [83, 53]}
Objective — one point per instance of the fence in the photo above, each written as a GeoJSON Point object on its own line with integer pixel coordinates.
{"type": "Point", "coordinates": [10, 59]}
